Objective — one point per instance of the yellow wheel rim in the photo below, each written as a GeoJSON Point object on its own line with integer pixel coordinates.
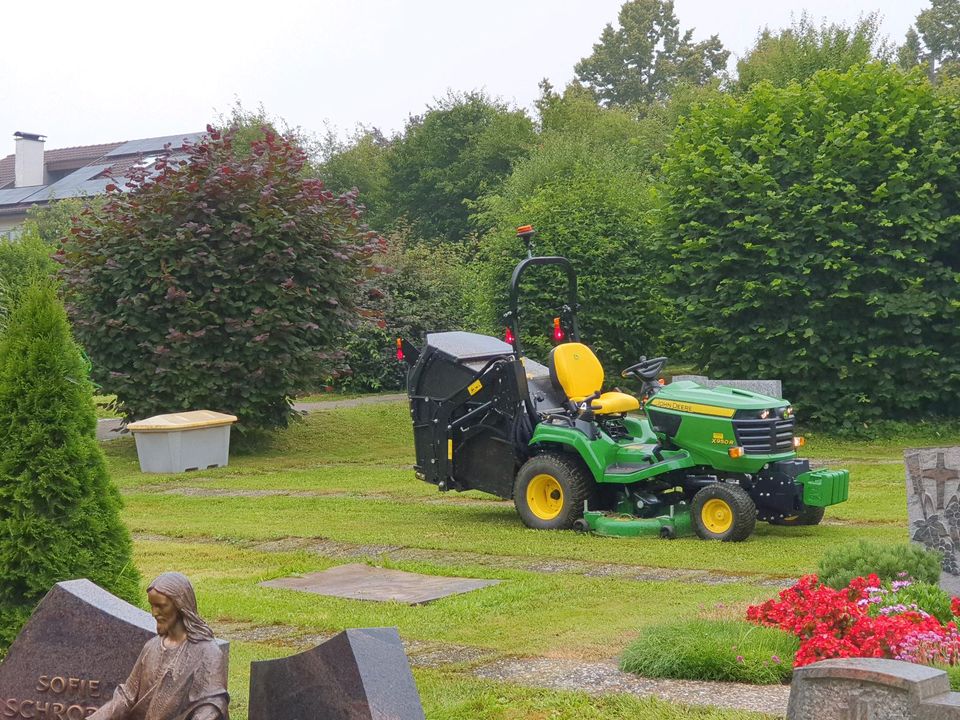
{"type": "Point", "coordinates": [717, 516]}
{"type": "Point", "coordinates": [545, 496]}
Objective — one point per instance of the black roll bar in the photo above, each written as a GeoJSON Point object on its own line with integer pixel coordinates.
{"type": "Point", "coordinates": [512, 316]}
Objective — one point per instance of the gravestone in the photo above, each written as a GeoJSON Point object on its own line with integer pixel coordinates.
{"type": "Point", "coordinates": [933, 506]}
{"type": "Point", "coordinates": [871, 689]}
{"type": "Point", "coordinates": [770, 388]}
{"type": "Point", "coordinates": [360, 674]}
{"type": "Point", "coordinates": [79, 644]}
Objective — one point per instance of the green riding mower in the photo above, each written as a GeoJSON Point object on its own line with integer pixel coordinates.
{"type": "Point", "coordinates": [679, 457]}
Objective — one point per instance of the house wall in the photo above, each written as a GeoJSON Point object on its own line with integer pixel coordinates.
{"type": "Point", "coordinates": [10, 224]}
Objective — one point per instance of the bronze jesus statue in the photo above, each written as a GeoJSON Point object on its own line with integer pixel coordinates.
{"type": "Point", "coordinates": [181, 674]}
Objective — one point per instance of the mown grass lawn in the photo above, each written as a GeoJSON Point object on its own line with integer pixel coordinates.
{"type": "Point", "coordinates": [338, 488]}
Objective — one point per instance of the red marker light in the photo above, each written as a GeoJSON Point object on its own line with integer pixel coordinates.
{"type": "Point", "coordinates": [524, 229]}
{"type": "Point", "coordinates": [399, 349]}
{"type": "Point", "coordinates": [558, 334]}
{"type": "Point", "coordinates": [508, 336]}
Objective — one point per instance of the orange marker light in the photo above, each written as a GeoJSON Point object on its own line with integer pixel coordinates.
{"type": "Point", "coordinates": [523, 229]}
{"type": "Point", "coordinates": [735, 452]}
{"type": "Point", "coordinates": [400, 349]}
{"type": "Point", "coordinates": [799, 441]}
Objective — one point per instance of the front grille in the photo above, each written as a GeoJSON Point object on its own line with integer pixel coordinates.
{"type": "Point", "coordinates": [764, 437]}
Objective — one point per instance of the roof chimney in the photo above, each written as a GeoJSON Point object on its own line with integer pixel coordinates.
{"type": "Point", "coordinates": [28, 167]}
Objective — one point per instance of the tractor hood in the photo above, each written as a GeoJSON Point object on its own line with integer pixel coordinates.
{"type": "Point", "coordinates": [687, 396]}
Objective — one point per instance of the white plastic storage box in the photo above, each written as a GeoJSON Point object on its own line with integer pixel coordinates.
{"type": "Point", "coordinates": [183, 441]}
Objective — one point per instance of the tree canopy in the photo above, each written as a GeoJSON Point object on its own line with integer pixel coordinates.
{"type": "Point", "coordinates": [457, 150]}
{"type": "Point", "coordinates": [797, 52]}
{"type": "Point", "coordinates": [642, 60]}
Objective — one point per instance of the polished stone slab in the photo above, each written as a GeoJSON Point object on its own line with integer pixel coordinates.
{"type": "Point", "coordinates": [360, 674]}
{"type": "Point", "coordinates": [357, 581]}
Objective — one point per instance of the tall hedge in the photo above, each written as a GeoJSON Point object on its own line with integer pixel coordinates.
{"type": "Point", "coordinates": [814, 236]}
{"type": "Point", "coordinates": [219, 282]}
{"type": "Point", "coordinates": [59, 512]}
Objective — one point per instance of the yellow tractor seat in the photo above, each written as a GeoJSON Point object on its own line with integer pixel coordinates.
{"type": "Point", "coordinates": [575, 370]}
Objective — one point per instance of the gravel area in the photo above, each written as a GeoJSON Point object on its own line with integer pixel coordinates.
{"type": "Point", "coordinates": [109, 428]}
{"type": "Point", "coordinates": [596, 677]}
{"type": "Point", "coordinates": [605, 677]}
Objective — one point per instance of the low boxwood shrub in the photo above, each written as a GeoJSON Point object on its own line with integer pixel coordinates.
{"type": "Point", "coordinates": [707, 649]}
{"type": "Point", "coordinates": [927, 597]}
{"type": "Point", "coordinates": [842, 563]}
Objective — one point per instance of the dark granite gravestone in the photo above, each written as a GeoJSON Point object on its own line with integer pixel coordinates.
{"type": "Point", "coordinates": [79, 644]}
{"type": "Point", "coordinates": [933, 506]}
{"type": "Point", "coordinates": [360, 674]}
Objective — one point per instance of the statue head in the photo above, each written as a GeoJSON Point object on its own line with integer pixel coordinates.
{"type": "Point", "coordinates": [174, 606]}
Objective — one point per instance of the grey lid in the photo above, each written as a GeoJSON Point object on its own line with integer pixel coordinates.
{"type": "Point", "coordinates": [468, 346]}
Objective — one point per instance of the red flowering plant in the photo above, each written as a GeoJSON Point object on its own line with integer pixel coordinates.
{"type": "Point", "coordinates": [864, 619]}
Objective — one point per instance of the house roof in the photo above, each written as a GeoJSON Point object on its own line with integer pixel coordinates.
{"type": "Point", "coordinates": [90, 169]}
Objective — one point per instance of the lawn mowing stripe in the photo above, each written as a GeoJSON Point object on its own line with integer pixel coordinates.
{"type": "Point", "coordinates": [394, 554]}
{"type": "Point", "coordinates": [492, 529]}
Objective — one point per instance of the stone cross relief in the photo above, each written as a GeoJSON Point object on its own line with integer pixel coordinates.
{"type": "Point", "coordinates": [934, 505]}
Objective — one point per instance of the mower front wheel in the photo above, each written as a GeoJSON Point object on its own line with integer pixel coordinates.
{"type": "Point", "coordinates": [550, 490]}
{"type": "Point", "coordinates": [723, 511]}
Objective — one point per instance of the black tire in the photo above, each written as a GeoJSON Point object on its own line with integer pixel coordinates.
{"type": "Point", "coordinates": [550, 490]}
{"type": "Point", "coordinates": [724, 512]}
{"type": "Point", "coordinates": [810, 515]}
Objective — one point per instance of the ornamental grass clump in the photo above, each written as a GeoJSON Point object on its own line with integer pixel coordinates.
{"type": "Point", "coordinates": [712, 649]}
{"type": "Point", "coordinates": [901, 620]}
{"type": "Point", "coordinates": [59, 512]}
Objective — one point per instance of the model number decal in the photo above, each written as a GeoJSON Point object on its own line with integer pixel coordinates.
{"type": "Point", "coordinates": [719, 439]}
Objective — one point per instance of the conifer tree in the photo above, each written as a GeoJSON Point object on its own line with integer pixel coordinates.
{"type": "Point", "coordinates": [59, 512]}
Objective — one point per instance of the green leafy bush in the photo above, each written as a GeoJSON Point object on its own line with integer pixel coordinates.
{"type": "Point", "coordinates": [841, 563]}
{"type": "Point", "coordinates": [813, 231]}
{"type": "Point", "coordinates": [219, 283]}
{"type": "Point", "coordinates": [59, 512]}
{"type": "Point", "coordinates": [597, 214]}
{"type": "Point", "coordinates": [424, 289]}
{"type": "Point", "coordinates": [706, 649]}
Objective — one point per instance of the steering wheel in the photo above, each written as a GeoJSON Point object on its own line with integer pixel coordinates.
{"type": "Point", "coordinates": [645, 369]}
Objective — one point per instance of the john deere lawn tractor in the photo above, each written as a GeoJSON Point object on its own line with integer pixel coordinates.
{"type": "Point", "coordinates": [572, 453]}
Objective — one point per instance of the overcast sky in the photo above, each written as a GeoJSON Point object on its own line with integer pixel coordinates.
{"type": "Point", "coordinates": [102, 71]}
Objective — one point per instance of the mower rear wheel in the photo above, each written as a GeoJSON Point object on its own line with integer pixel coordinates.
{"type": "Point", "coordinates": [550, 490]}
{"type": "Point", "coordinates": [723, 511]}
{"type": "Point", "coordinates": [810, 515]}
